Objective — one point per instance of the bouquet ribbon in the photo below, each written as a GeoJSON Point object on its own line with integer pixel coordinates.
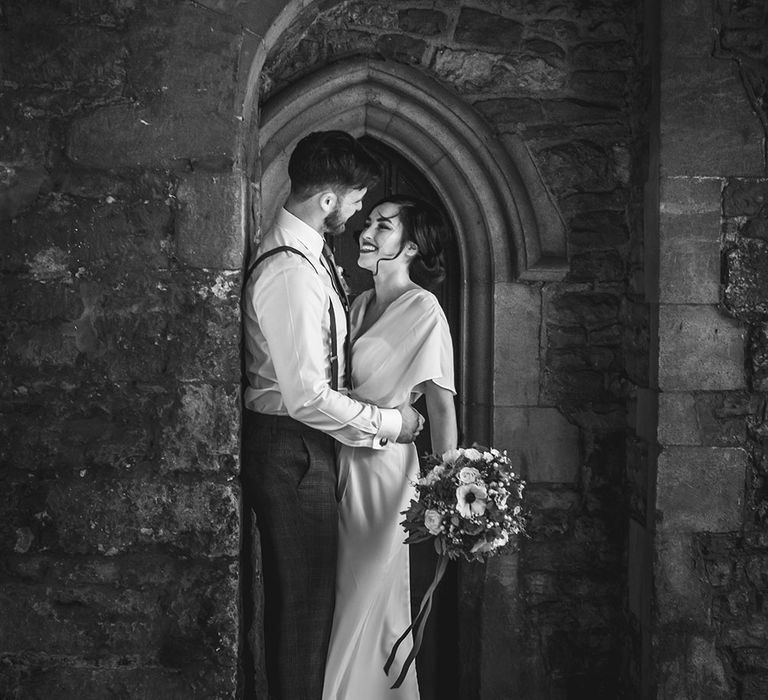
{"type": "Point", "coordinates": [417, 625]}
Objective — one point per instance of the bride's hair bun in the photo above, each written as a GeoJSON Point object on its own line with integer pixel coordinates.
{"type": "Point", "coordinates": [423, 225]}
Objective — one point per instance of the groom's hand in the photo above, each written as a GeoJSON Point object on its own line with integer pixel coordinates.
{"type": "Point", "coordinates": [413, 422]}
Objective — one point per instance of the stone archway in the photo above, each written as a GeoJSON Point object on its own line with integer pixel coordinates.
{"type": "Point", "coordinates": [488, 187]}
{"type": "Point", "coordinates": [511, 240]}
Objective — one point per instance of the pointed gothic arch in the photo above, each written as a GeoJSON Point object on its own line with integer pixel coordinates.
{"type": "Point", "coordinates": [507, 225]}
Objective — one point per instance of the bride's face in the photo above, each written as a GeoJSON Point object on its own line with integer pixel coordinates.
{"type": "Point", "coordinates": [381, 237]}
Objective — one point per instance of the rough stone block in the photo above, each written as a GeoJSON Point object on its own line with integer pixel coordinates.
{"type": "Point", "coordinates": [678, 587]}
{"type": "Point", "coordinates": [424, 22]}
{"type": "Point", "coordinates": [687, 30]}
{"type": "Point", "coordinates": [204, 329]}
{"type": "Point", "coordinates": [258, 18]}
{"type": "Point", "coordinates": [690, 666]}
{"type": "Point", "coordinates": [745, 293]}
{"type": "Point", "coordinates": [699, 349]}
{"type": "Point", "coordinates": [722, 417]}
{"type": "Point", "coordinates": [48, 300]}
{"type": "Point", "coordinates": [547, 50]}
{"type": "Point", "coordinates": [677, 419]}
{"type": "Point", "coordinates": [578, 165]}
{"type": "Point", "coordinates": [198, 74]}
{"type": "Point", "coordinates": [73, 53]}
{"type": "Point", "coordinates": [689, 255]}
{"type": "Point", "coordinates": [401, 48]}
{"type": "Point", "coordinates": [603, 55]}
{"type": "Point", "coordinates": [605, 266]}
{"type": "Point", "coordinates": [758, 354]}
{"type": "Point", "coordinates": [517, 328]}
{"type": "Point", "coordinates": [514, 112]}
{"type": "Point", "coordinates": [19, 187]}
{"type": "Point", "coordinates": [603, 85]}
{"type": "Point", "coordinates": [51, 345]}
{"type": "Point", "coordinates": [118, 516]}
{"type": "Point", "coordinates": [700, 489]}
{"type": "Point", "coordinates": [543, 444]}
{"type": "Point", "coordinates": [560, 30]}
{"type": "Point", "coordinates": [716, 419]}
{"type": "Point", "coordinates": [745, 197]}
{"type": "Point", "coordinates": [126, 136]}
{"type": "Point", "coordinates": [209, 226]}
{"type": "Point", "coordinates": [487, 29]}
{"type": "Point", "coordinates": [153, 617]}
{"type": "Point", "coordinates": [708, 128]}
{"type": "Point", "coordinates": [90, 231]}
{"type": "Point", "coordinates": [473, 72]}
{"type": "Point", "coordinates": [592, 310]}
{"type": "Point", "coordinates": [202, 431]}
{"type": "Point", "coordinates": [59, 677]}
{"type": "Point", "coordinates": [598, 229]}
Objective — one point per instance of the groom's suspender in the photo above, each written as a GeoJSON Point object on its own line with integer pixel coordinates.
{"type": "Point", "coordinates": [331, 314]}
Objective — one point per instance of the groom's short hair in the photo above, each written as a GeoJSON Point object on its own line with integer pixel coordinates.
{"type": "Point", "coordinates": [331, 160]}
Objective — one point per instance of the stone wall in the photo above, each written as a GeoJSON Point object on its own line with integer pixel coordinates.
{"type": "Point", "coordinates": [120, 251]}
{"type": "Point", "coordinates": [710, 551]}
{"type": "Point", "coordinates": [121, 236]}
{"type": "Point", "coordinates": [565, 78]}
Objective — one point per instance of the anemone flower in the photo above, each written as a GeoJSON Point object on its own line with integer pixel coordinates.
{"type": "Point", "coordinates": [471, 500]}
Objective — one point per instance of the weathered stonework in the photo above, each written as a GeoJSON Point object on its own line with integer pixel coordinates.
{"type": "Point", "coordinates": [119, 397]}
{"type": "Point", "coordinates": [121, 239]}
{"type": "Point", "coordinates": [710, 638]}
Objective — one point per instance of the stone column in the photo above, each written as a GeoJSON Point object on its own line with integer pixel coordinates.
{"type": "Point", "coordinates": [707, 132]}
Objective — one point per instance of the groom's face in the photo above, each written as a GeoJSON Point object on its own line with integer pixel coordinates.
{"type": "Point", "coordinates": [348, 203]}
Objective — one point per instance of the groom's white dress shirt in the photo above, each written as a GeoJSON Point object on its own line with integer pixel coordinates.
{"type": "Point", "coordinates": [288, 342]}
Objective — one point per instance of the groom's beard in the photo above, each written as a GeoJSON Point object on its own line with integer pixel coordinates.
{"type": "Point", "coordinates": [333, 224]}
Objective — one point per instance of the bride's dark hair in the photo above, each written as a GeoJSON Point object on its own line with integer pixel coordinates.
{"type": "Point", "coordinates": [424, 226]}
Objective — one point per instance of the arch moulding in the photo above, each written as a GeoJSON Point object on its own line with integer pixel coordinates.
{"type": "Point", "coordinates": [507, 227]}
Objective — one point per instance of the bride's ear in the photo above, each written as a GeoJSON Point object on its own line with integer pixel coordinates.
{"type": "Point", "coordinates": [411, 250]}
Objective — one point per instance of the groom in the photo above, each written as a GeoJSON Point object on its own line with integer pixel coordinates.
{"type": "Point", "coordinates": [297, 377]}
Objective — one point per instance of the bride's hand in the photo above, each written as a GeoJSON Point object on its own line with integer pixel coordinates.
{"type": "Point", "coordinates": [413, 422]}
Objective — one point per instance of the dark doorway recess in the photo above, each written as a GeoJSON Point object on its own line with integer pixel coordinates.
{"type": "Point", "coordinates": [437, 663]}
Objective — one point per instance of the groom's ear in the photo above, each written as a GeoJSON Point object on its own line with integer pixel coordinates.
{"type": "Point", "coordinates": [327, 200]}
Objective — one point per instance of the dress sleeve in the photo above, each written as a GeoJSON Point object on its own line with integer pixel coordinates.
{"type": "Point", "coordinates": [429, 354]}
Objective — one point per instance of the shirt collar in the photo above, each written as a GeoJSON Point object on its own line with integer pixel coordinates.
{"type": "Point", "coordinates": [313, 240]}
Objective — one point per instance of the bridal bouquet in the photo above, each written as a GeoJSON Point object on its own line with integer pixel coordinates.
{"type": "Point", "coordinates": [469, 501]}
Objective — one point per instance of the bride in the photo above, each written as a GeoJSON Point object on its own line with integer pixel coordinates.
{"type": "Point", "coordinates": [401, 349]}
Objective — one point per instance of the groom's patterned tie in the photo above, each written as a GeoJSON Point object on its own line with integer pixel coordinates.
{"type": "Point", "coordinates": [333, 272]}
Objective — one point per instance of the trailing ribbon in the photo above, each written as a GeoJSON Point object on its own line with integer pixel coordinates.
{"type": "Point", "coordinates": [417, 625]}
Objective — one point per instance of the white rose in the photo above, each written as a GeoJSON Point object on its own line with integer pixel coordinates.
{"type": "Point", "coordinates": [468, 475]}
{"type": "Point", "coordinates": [433, 521]}
{"type": "Point", "coordinates": [433, 475]}
{"type": "Point", "coordinates": [472, 454]}
{"type": "Point", "coordinates": [451, 456]}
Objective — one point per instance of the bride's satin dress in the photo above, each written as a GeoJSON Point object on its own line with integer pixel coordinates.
{"type": "Point", "coordinates": [409, 344]}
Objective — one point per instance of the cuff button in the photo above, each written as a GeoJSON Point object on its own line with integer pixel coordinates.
{"type": "Point", "coordinates": [383, 441]}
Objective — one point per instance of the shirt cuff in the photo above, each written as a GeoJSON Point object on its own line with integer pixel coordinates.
{"type": "Point", "coordinates": [391, 425]}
